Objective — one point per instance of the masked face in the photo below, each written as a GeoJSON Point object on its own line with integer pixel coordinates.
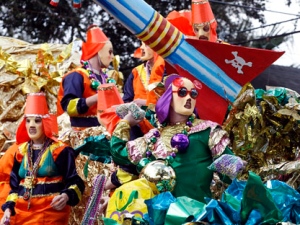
{"type": "Point", "coordinates": [184, 97]}
{"type": "Point", "coordinates": [35, 130]}
{"type": "Point", "coordinates": [202, 31]}
{"type": "Point", "coordinates": [106, 54]}
{"type": "Point", "coordinates": [147, 52]}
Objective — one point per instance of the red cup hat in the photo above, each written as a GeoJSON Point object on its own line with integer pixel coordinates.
{"type": "Point", "coordinates": [108, 96]}
{"type": "Point", "coordinates": [95, 41]}
{"type": "Point", "coordinates": [36, 105]}
{"type": "Point", "coordinates": [182, 21]}
{"type": "Point", "coordinates": [202, 14]}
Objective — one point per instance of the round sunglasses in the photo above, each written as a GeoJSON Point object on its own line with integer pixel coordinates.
{"type": "Point", "coordinates": [183, 91]}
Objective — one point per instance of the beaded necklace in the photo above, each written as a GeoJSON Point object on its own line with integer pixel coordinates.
{"type": "Point", "coordinates": [92, 207]}
{"type": "Point", "coordinates": [179, 142]}
{"type": "Point", "coordinates": [95, 82]}
{"type": "Point", "coordinates": [145, 77]}
{"type": "Point", "coordinates": [32, 168]}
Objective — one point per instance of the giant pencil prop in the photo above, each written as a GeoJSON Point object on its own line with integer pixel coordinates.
{"type": "Point", "coordinates": [187, 55]}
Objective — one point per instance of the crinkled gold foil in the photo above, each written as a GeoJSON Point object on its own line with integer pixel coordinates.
{"type": "Point", "coordinates": [76, 138]}
{"type": "Point", "coordinates": [245, 96]}
{"type": "Point", "coordinates": [289, 112]}
{"type": "Point", "coordinates": [2, 140]}
{"type": "Point", "coordinates": [264, 133]}
{"type": "Point", "coordinates": [217, 187]}
{"type": "Point", "coordinates": [27, 68]}
{"type": "Point", "coordinates": [65, 53]}
{"type": "Point", "coordinates": [116, 74]}
{"type": "Point", "coordinates": [6, 60]}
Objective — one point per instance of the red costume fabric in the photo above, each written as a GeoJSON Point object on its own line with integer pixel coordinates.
{"type": "Point", "coordinates": [6, 164]}
{"type": "Point", "coordinates": [95, 41]}
{"type": "Point", "coordinates": [182, 21]}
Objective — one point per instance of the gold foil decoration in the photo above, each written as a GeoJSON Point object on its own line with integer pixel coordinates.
{"type": "Point", "coordinates": [26, 68]}
{"type": "Point", "coordinates": [116, 74]}
{"type": "Point", "coordinates": [29, 182]}
{"type": "Point", "coordinates": [66, 53]}
{"type": "Point", "coordinates": [2, 140]}
{"type": "Point", "coordinates": [264, 133]}
{"type": "Point", "coordinates": [289, 112]}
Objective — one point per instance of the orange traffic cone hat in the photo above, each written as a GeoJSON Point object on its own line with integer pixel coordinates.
{"type": "Point", "coordinates": [36, 105]}
{"type": "Point", "coordinates": [182, 21]}
{"type": "Point", "coordinates": [202, 14]}
{"type": "Point", "coordinates": [95, 41]}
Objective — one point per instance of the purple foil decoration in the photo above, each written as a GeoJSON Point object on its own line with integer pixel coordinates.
{"type": "Point", "coordinates": [181, 142]}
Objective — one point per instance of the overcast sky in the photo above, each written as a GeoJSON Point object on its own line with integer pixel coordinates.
{"type": "Point", "coordinates": [291, 48]}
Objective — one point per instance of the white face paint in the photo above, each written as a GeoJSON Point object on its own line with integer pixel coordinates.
{"type": "Point", "coordinates": [35, 130]}
{"type": "Point", "coordinates": [106, 54]}
{"type": "Point", "coordinates": [182, 102]}
{"type": "Point", "coordinates": [147, 52]}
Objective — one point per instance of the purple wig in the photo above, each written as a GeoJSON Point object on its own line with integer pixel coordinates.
{"type": "Point", "coordinates": [163, 104]}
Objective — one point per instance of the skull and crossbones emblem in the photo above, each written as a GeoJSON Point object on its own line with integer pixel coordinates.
{"type": "Point", "coordinates": [238, 62]}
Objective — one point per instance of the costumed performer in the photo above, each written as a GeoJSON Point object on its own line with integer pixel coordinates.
{"type": "Point", "coordinates": [141, 89]}
{"type": "Point", "coordinates": [189, 145]}
{"type": "Point", "coordinates": [78, 90]}
{"type": "Point", "coordinates": [204, 22]}
{"type": "Point", "coordinates": [78, 97]}
{"type": "Point", "coordinates": [141, 86]}
{"type": "Point", "coordinates": [143, 79]}
{"type": "Point", "coordinates": [199, 22]}
{"type": "Point", "coordinates": [44, 182]}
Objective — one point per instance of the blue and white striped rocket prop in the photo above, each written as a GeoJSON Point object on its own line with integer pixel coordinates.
{"type": "Point", "coordinates": [210, 63]}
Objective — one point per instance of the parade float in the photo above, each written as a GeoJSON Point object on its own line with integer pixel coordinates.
{"type": "Point", "coordinates": [263, 124]}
